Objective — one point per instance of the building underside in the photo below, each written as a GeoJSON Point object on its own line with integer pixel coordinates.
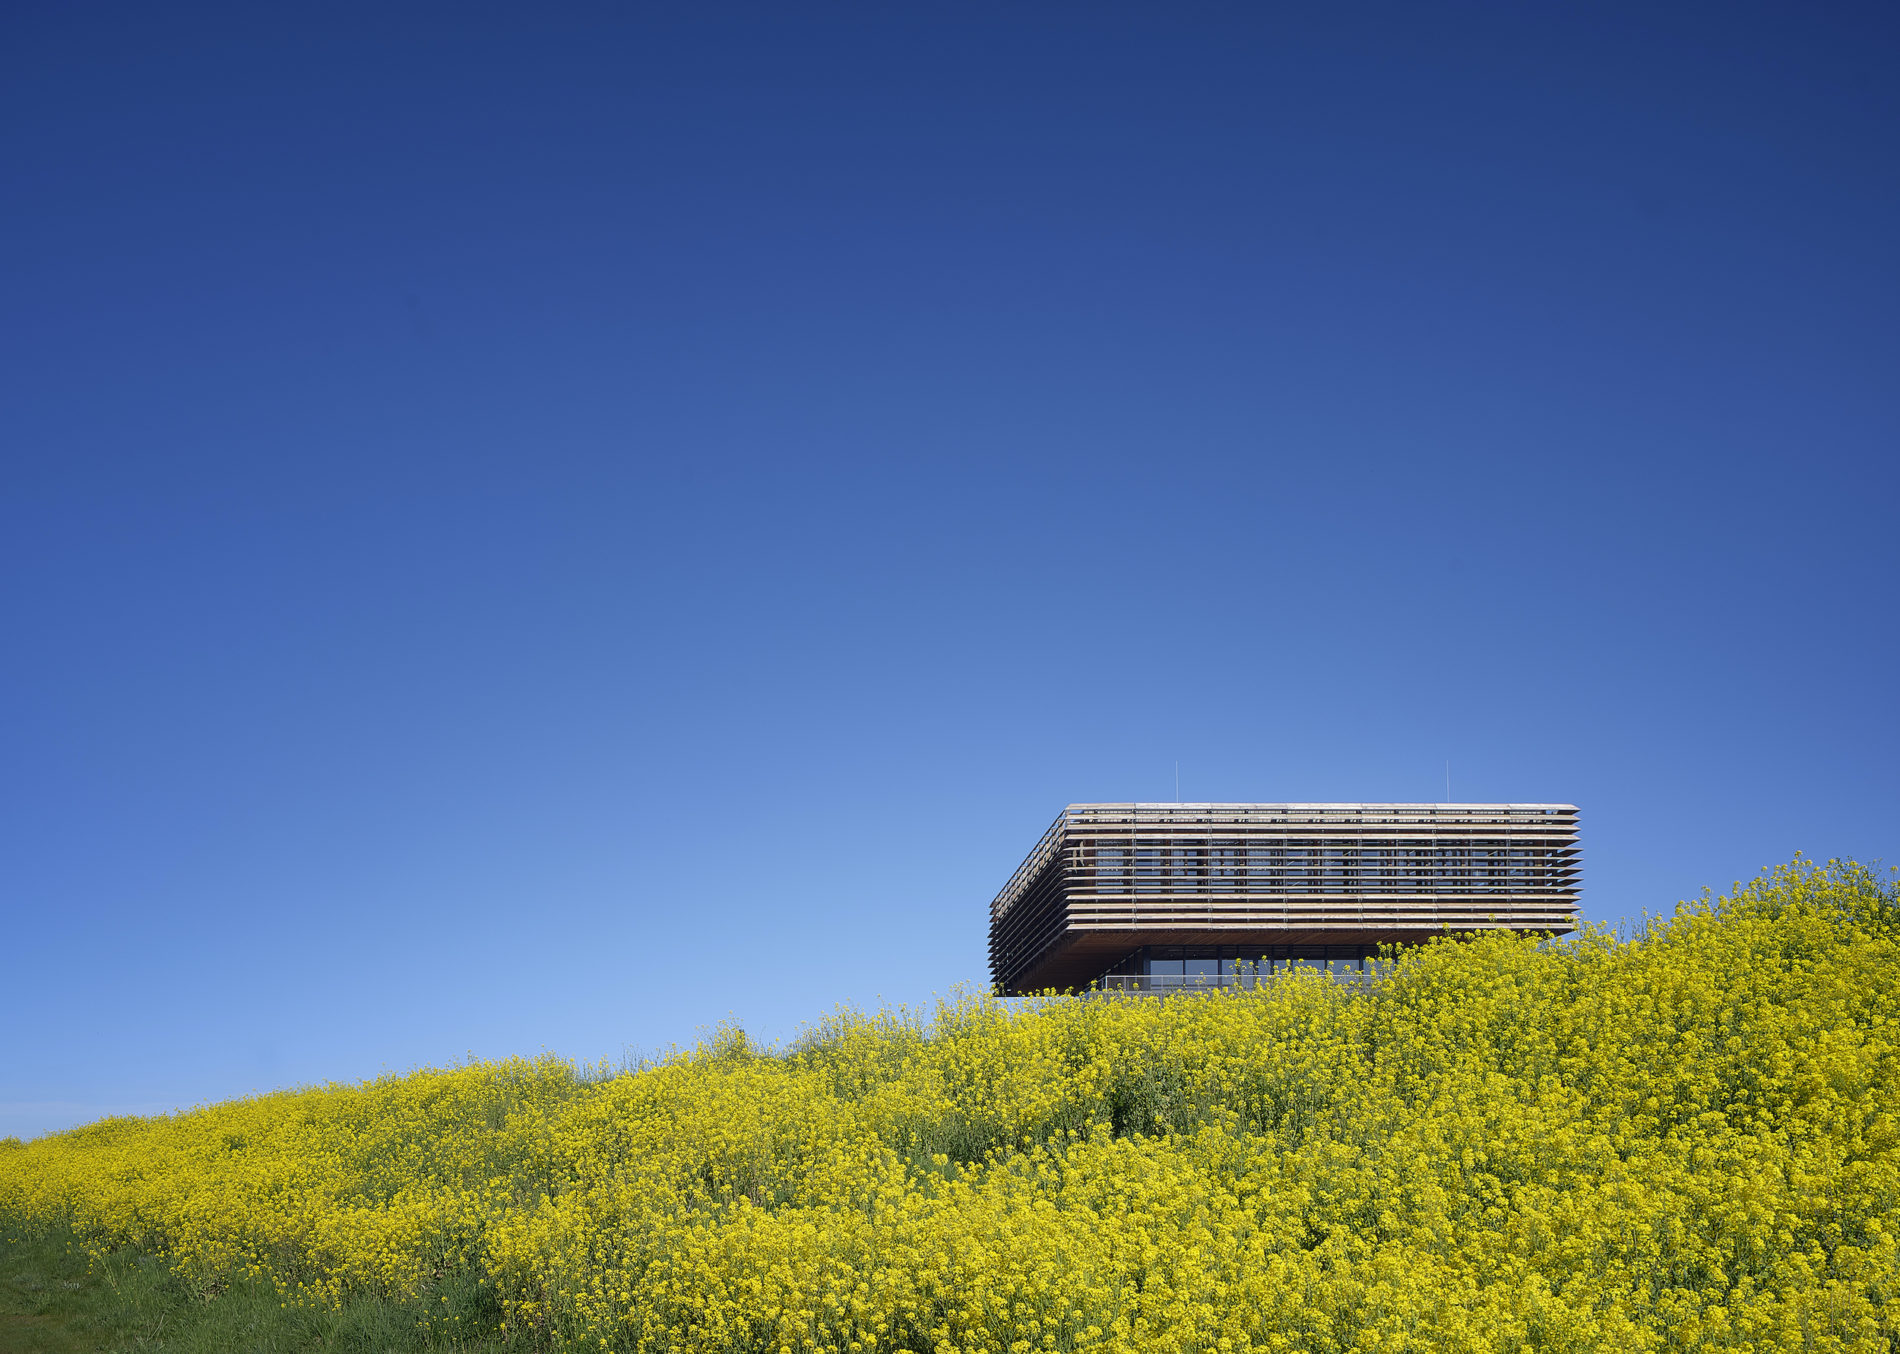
{"type": "Point", "coordinates": [1116, 891]}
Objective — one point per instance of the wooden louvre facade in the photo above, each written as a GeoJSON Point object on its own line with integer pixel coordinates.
{"type": "Point", "coordinates": [1110, 886]}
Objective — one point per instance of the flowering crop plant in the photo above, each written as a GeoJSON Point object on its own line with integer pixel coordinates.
{"type": "Point", "coordinates": [1684, 1138]}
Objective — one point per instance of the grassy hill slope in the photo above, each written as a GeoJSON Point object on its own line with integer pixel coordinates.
{"type": "Point", "coordinates": [1689, 1138]}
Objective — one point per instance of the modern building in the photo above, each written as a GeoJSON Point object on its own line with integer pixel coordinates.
{"type": "Point", "coordinates": [1152, 897]}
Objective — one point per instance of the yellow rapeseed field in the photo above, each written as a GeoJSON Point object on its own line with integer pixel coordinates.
{"type": "Point", "coordinates": [1688, 1138]}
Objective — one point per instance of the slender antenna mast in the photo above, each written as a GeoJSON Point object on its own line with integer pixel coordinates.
{"type": "Point", "coordinates": [1447, 782]}
{"type": "Point", "coordinates": [1177, 782]}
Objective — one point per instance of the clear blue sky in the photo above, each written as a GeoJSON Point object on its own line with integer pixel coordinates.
{"type": "Point", "coordinates": [548, 526]}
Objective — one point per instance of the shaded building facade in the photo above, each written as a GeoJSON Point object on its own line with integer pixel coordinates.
{"type": "Point", "coordinates": [1153, 897]}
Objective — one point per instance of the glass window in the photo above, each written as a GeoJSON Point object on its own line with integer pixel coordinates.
{"type": "Point", "coordinates": [1168, 967]}
{"type": "Point", "coordinates": [1206, 968]}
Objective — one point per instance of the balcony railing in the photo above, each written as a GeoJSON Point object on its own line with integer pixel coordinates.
{"type": "Point", "coordinates": [1164, 984]}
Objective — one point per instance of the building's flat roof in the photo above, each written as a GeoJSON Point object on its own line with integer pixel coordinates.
{"type": "Point", "coordinates": [1172, 807]}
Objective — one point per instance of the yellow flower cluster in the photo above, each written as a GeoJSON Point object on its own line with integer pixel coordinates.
{"type": "Point", "coordinates": [1686, 1139]}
